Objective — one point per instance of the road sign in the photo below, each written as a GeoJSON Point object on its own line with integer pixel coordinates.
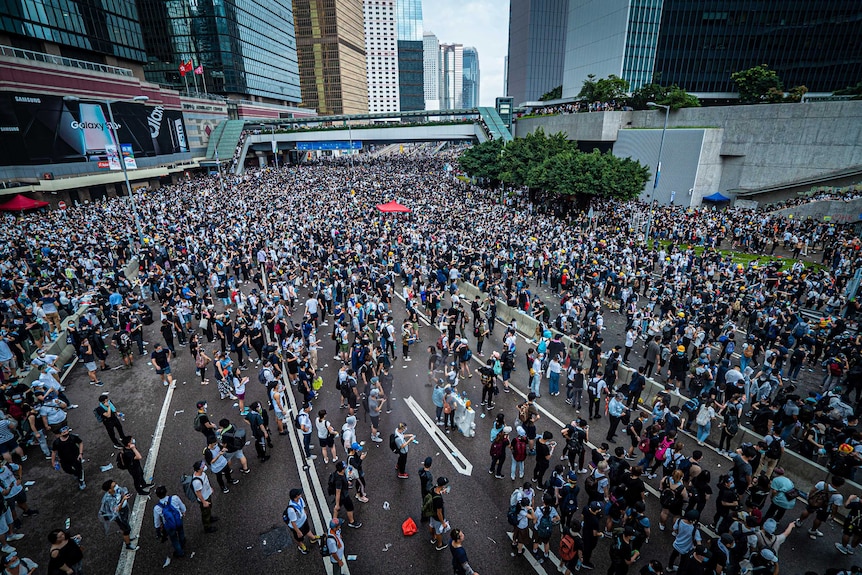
{"type": "Point", "coordinates": [62, 205]}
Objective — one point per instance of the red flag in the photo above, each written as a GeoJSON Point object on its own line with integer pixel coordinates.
{"type": "Point", "coordinates": [184, 69]}
{"type": "Point", "coordinates": [200, 70]}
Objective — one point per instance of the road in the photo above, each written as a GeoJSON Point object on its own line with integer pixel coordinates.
{"type": "Point", "coordinates": [252, 537]}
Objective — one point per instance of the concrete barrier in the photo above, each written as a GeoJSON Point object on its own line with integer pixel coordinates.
{"type": "Point", "coordinates": [804, 472]}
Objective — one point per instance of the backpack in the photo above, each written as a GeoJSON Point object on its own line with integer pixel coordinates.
{"type": "Point", "coordinates": [748, 351]}
{"type": "Point", "coordinates": [121, 461]}
{"type": "Point", "coordinates": [773, 451]}
{"type": "Point", "coordinates": [171, 518]}
{"type": "Point", "coordinates": [330, 484]}
{"type": "Point", "coordinates": [285, 516]}
{"type": "Point", "coordinates": [567, 548]}
{"type": "Point", "coordinates": [296, 422]}
{"type": "Point", "coordinates": [98, 413]}
{"type": "Point", "coordinates": [235, 440]}
{"type": "Point", "coordinates": [731, 420]}
{"type": "Point", "coordinates": [668, 497]}
{"type": "Point", "coordinates": [691, 405]}
{"type": "Point", "coordinates": [702, 416]}
{"type": "Point", "coordinates": [818, 498]}
{"type": "Point", "coordinates": [467, 355]}
{"type": "Point", "coordinates": [545, 525]}
{"type": "Point", "coordinates": [125, 340]}
{"type": "Point", "coordinates": [393, 444]}
{"type": "Point", "coordinates": [261, 378]}
{"type": "Point", "coordinates": [662, 448]}
{"type": "Point", "coordinates": [591, 484]}
{"type": "Point", "coordinates": [198, 425]}
{"type": "Point", "coordinates": [428, 505]}
{"type": "Point", "coordinates": [512, 515]}
{"type": "Point", "coordinates": [497, 449]}
{"type": "Point", "coordinates": [440, 342]}
{"type": "Point", "coordinates": [187, 483]}
{"type": "Point", "coordinates": [324, 545]}
{"type": "Point", "coordinates": [519, 449]}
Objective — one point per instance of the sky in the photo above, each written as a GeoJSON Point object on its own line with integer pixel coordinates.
{"type": "Point", "coordinates": [483, 24]}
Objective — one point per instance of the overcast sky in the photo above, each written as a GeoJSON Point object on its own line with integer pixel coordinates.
{"type": "Point", "coordinates": [483, 24]}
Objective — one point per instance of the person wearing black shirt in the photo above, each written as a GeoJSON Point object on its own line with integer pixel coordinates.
{"type": "Point", "coordinates": [622, 553]}
{"type": "Point", "coordinates": [460, 564]}
{"type": "Point", "coordinates": [543, 457]}
{"type": "Point", "coordinates": [131, 459]}
{"type": "Point", "coordinates": [342, 496]}
{"type": "Point", "coordinates": [67, 452]}
{"type": "Point", "coordinates": [161, 359]}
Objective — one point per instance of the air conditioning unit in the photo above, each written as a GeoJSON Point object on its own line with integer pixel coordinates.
{"type": "Point", "coordinates": [48, 176]}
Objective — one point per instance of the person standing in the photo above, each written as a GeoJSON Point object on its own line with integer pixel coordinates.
{"type": "Point", "coordinates": [616, 410]}
{"type": "Point", "coordinates": [460, 564]}
{"type": "Point", "coordinates": [438, 525]}
{"type": "Point", "coordinates": [426, 482]}
{"type": "Point", "coordinates": [161, 359]}
{"type": "Point", "coordinates": [259, 430]}
{"type": "Point", "coordinates": [115, 509]}
{"type": "Point", "coordinates": [296, 517]}
{"type": "Point", "coordinates": [544, 448]}
{"type": "Point", "coordinates": [67, 452]}
{"type": "Point", "coordinates": [202, 421]}
{"type": "Point", "coordinates": [355, 456]}
{"type": "Point", "coordinates": [204, 494]}
{"type": "Point", "coordinates": [65, 556]}
{"type": "Point", "coordinates": [109, 417]}
{"type": "Point", "coordinates": [342, 495]}
{"type": "Point", "coordinates": [168, 516]}
{"type": "Point", "coordinates": [130, 460]}
{"type": "Point", "coordinates": [498, 452]}
{"type": "Point", "coordinates": [326, 436]}
{"type": "Point", "coordinates": [402, 442]}
{"type": "Point", "coordinates": [335, 546]}
{"type": "Point", "coordinates": [214, 456]}
{"type": "Point", "coordinates": [303, 422]}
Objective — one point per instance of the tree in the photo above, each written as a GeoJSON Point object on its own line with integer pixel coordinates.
{"type": "Point", "coordinates": [604, 89]}
{"type": "Point", "coordinates": [595, 174]}
{"type": "Point", "coordinates": [757, 85]}
{"type": "Point", "coordinates": [522, 155]}
{"type": "Point", "coordinates": [483, 160]}
{"type": "Point", "coordinates": [672, 96]}
{"type": "Point", "coordinates": [554, 94]}
{"type": "Point", "coordinates": [854, 91]}
{"type": "Point", "coordinates": [796, 94]}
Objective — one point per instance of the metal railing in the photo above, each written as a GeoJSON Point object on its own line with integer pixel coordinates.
{"type": "Point", "coordinates": [63, 61]}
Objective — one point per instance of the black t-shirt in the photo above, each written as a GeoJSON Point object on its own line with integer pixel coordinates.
{"type": "Point", "coordinates": [343, 484]}
{"type": "Point", "coordinates": [69, 449]}
{"type": "Point", "coordinates": [160, 357]}
{"type": "Point", "coordinates": [86, 354]}
{"type": "Point", "coordinates": [634, 490]}
{"type": "Point", "coordinates": [621, 551]}
{"type": "Point", "coordinates": [542, 451]}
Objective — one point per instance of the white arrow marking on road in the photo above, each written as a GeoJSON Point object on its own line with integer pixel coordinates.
{"type": "Point", "coordinates": [529, 557]}
{"type": "Point", "coordinates": [461, 464]}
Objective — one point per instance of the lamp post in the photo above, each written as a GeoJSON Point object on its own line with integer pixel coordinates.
{"type": "Point", "coordinates": [115, 136]}
{"type": "Point", "coordinates": [657, 168]}
{"type": "Point", "coordinates": [274, 147]}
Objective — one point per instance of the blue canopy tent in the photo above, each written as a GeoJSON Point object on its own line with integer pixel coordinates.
{"type": "Point", "coordinates": [716, 198]}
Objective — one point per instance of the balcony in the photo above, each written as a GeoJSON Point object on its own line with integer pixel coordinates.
{"type": "Point", "coordinates": [11, 52]}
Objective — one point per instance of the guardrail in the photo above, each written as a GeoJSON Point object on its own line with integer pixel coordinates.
{"type": "Point", "coordinates": [13, 52]}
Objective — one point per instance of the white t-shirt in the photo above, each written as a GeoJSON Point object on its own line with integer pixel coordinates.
{"type": "Point", "coordinates": [311, 305]}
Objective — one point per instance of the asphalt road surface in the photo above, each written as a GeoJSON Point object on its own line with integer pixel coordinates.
{"type": "Point", "coordinates": [251, 536]}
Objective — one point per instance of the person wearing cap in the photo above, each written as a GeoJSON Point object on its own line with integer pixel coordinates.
{"type": "Point", "coordinates": [767, 538]}
{"type": "Point", "coordinates": [678, 366]}
{"type": "Point", "coordinates": [355, 455]}
{"type": "Point", "coordinates": [498, 452]}
{"type": "Point", "coordinates": [402, 442]}
{"type": "Point", "coordinates": [67, 452]}
{"type": "Point", "coordinates": [592, 531]}
{"type": "Point", "coordinates": [15, 565]}
{"type": "Point", "coordinates": [438, 525]}
{"type": "Point", "coordinates": [335, 546]}
{"type": "Point", "coordinates": [296, 517]}
{"type": "Point", "coordinates": [622, 551]}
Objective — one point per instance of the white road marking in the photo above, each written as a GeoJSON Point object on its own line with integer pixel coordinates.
{"type": "Point", "coordinates": [127, 558]}
{"type": "Point", "coordinates": [461, 464]}
{"type": "Point", "coordinates": [529, 557]}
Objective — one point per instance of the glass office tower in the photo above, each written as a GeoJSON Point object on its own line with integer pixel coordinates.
{"type": "Point", "coordinates": [470, 99]}
{"type": "Point", "coordinates": [537, 46]}
{"type": "Point", "coordinates": [411, 74]}
{"type": "Point", "coordinates": [451, 76]}
{"type": "Point", "coordinates": [246, 47]}
{"type": "Point", "coordinates": [83, 29]}
{"type": "Point", "coordinates": [431, 70]}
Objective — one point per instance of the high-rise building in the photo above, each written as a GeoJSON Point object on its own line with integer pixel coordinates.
{"type": "Point", "coordinates": [431, 67]}
{"type": "Point", "coordinates": [470, 98]}
{"type": "Point", "coordinates": [411, 80]}
{"type": "Point", "coordinates": [245, 48]}
{"type": "Point", "coordinates": [330, 44]}
{"type": "Point", "coordinates": [103, 31]}
{"type": "Point", "coordinates": [381, 56]}
{"type": "Point", "coordinates": [537, 48]}
{"type": "Point", "coordinates": [698, 45]}
{"type": "Point", "coordinates": [451, 76]}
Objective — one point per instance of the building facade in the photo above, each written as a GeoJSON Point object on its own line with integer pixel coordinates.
{"type": "Point", "coordinates": [244, 48]}
{"type": "Point", "coordinates": [431, 70]}
{"type": "Point", "coordinates": [470, 97]}
{"type": "Point", "coordinates": [451, 76]}
{"type": "Point", "coordinates": [411, 80]}
{"type": "Point", "coordinates": [699, 45]}
{"type": "Point", "coordinates": [381, 56]}
{"type": "Point", "coordinates": [537, 46]}
{"type": "Point", "coordinates": [330, 43]}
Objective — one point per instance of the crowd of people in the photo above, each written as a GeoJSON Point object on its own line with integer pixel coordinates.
{"type": "Point", "coordinates": [257, 278]}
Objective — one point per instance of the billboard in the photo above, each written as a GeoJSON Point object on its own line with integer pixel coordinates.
{"type": "Point", "coordinates": [333, 145]}
{"type": "Point", "coordinates": [44, 129]}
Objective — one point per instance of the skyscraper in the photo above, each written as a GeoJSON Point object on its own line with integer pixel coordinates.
{"type": "Point", "coordinates": [537, 48]}
{"type": "Point", "coordinates": [470, 99]}
{"type": "Point", "coordinates": [330, 45]}
{"type": "Point", "coordinates": [246, 48]}
{"type": "Point", "coordinates": [410, 56]}
{"type": "Point", "coordinates": [698, 45]}
{"type": "Point", "coordinates": [381, 56]}
{"type": "Point", "coordinates": [431, 67]}
{"type": "Point", "coordinates": [451, 76]}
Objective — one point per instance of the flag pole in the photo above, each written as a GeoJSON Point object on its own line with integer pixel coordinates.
{"type": "Point", "coordinates": [204, 79]}
{"type": "Point", "coordinates": [194, 76]}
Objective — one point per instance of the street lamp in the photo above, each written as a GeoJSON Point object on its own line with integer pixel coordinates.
{"type": "Point", "coordinates": [116, 139]}
{"type": "Point", "coordinates": [657, 169]}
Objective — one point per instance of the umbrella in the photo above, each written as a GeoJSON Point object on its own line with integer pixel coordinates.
{"type": "Point", "coordinates": [393, 207]}
{"type": "Point", "coordinates": [20, 203]}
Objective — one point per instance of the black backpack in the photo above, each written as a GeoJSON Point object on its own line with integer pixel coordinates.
{"type": "Point", "coordinates": [330, 484]}
{"type": "Point", "coordinates": [393, 444]}
{"type": "Point", "coordinates": [773, 451]}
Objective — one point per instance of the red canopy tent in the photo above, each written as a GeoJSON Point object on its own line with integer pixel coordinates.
{"type": "Point", "coordinates": [393, 207]}
{"type": "Point", "coordinates": [20, 203]}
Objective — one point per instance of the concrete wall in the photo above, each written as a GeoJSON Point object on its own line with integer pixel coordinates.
{"type": "Point", "coordinates": [837, 210]}
{"type": "Point", "coordinates": [777, 143]}
{"type": "Point", "coordinates": [804, 472]}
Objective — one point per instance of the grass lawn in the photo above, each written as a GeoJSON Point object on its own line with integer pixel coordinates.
{"type": "Point", "coordinates": [745, 258]}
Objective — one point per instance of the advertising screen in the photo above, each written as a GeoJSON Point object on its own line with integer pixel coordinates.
{"type": "Point", "coordinates": [43, 129]}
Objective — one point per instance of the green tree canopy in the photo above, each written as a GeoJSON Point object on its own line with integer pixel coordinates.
{"type": "Point", "coordinates": [757, 85]}
{"type": "Point", "coordinates": [554, 94]}
{"type": "Point", "coordinates": [483, 160]}
{"type": "Point", "coordinates": [854, 91]}
{"type": "Point", "coordinates": [594, 174]}
{"type": "Point", "coordinates": [604, 89]}
{"type": "Point", "coordinates": [521, 155]}
{"type": "Point", "coordinates": [672, 96]}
